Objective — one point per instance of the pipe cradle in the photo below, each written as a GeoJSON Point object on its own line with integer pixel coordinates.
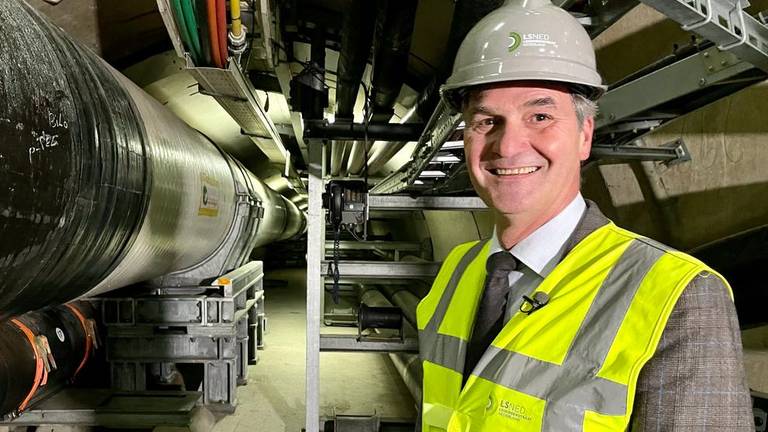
{"type": "Point", "coordinates": [102, 186]}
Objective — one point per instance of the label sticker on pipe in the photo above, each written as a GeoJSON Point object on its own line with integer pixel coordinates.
{"type": "Point", "coordinates": [209, 198]}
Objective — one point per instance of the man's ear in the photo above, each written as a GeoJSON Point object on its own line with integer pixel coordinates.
{"type": "Point", "coordinates": [585, 138]}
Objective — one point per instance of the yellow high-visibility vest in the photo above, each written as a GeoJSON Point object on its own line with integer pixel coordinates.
{"type": "Point", "coordinates": [571, 365]}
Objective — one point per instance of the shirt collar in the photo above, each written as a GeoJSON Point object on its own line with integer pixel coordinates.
{"type": "Point", "coordinates": [543, 247]}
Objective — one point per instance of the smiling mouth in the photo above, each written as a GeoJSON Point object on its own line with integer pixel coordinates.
{"type": "Point", "coordinates": [513, 171]}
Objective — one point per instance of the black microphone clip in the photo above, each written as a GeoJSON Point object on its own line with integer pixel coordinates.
{"type": "Point", "coordinates": [530, 305]}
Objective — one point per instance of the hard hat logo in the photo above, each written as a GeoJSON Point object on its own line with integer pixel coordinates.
{"type": "Point", "coordinates": [516, 39]}
{"type": "Point", "coordinates": [538, 40]}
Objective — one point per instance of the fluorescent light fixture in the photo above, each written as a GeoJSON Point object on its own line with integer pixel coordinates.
{"type": "Point", "coordinates": [418, 182]}
{"type": "Point", "coordinates": [447, 158]}
{"type": "Point", "coordinates": [429, 173]}
{"type": "Point", "coordinates": [452, 145]}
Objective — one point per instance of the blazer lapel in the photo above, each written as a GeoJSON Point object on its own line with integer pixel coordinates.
{"type": "Point", "coordinates": [592, 219]}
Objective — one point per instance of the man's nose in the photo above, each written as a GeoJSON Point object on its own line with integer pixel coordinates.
{"type": "Point", "coordinates": [510, 140]}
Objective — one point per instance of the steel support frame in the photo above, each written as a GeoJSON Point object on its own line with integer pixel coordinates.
{"type": "Point", "coordinates": [670, 153]}
{"type": "Point", "coordinates": [347, 343]}
{"type": "Point", "coordinates": [386, 269]}
{"type": "Point", "coordinates": [315, 283]}
{"type": "Point", "coordinates": [404, 202]}
{"type": "Point", "coordinates": [707, 68]}
{"type": "Point", "coordinates": [439, 127]}
{"type": "Point", "coordinates": [723, 22]}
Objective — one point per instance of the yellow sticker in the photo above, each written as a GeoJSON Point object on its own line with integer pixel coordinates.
{"type": "Point", "coordinates": [209, 197]}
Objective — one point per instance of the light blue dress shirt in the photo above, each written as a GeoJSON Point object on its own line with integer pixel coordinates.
{"type": "Point", "coordinates": [539, 253]}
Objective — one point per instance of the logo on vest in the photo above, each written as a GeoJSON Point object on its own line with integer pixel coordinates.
{"type": "Point", "coordinates": [513, 411]}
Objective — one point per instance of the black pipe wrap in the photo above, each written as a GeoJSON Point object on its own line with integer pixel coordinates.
{"type": "Point", "coordinates": [392, 49]}
{"type": "Point", "coordinates": [73, 165]}
{"type": "Point", "coordinates": [356, 37]}
{"type": "Point", "coordinates": [369, 317]}
{"type": "Point", "coordinates": [66, 338]}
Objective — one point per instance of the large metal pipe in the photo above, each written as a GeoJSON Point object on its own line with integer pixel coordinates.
{"type": "Point", "coordinates": [59, 338]}
{"type": "Point", "coordinates": [103, 186]}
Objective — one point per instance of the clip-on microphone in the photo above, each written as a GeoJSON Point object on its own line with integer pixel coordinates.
{"type": "Point", "coordinates": [530, 305]}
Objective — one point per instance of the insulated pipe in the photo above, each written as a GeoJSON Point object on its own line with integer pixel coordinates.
{"type": "Point", "coordinates": [103, 187]}
{"type": "Point", "coordinates": [356, 161]}
{"type": "Point", "coordinates": [408, 365]}
{"type": "Point", "coordinates": [356, 37]}
{"type": "Point", "coordinates": [392, 48]}
{"type": "Point", "coordinates": [63, 337]}
{"type": "Point", "coordinates": [393, 44]}
{"type": "Point", "coordinates": [401, 297]}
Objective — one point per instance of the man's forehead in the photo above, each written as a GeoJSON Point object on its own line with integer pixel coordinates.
{"type": "Point", "coordinates": [537, 93]}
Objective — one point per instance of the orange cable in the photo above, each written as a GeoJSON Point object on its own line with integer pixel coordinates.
{"type": "Point", "coordinates": [40, 373]}
{"type": "Point", "coordinates": [213, 34]}
{"type": "Point", "coordinates": [221, 16]}
{"type": "Point", "coordinates": [88, 339]}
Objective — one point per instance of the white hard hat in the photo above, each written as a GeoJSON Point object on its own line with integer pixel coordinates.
{"type": "Point", "coordinates": [525, 40]}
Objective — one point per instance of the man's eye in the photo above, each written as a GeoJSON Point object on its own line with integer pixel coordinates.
{"type": "Point", "coordinates": [483, 124]}
{"type": "Point", "coordinates": [541, 117]}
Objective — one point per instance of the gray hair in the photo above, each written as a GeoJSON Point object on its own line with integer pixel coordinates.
{"type": "Point", "coordinates": [584, 107]}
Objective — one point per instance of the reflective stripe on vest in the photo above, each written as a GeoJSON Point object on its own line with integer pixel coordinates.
{"type": "Point", "coordinates": [570, 366]}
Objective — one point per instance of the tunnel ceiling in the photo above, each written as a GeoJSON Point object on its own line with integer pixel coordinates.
{"type": "Point", "coordinates": [401, 50]}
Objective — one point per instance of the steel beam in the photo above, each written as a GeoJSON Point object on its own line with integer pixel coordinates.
{"type": "Point", "coordinates": [375, 245]}
{"type": "Point", "coordinates": [335, 342]}
{"type": "Point", "coordinates": [315, 291]}
{"type": "Point", "coordinates": [671, 153]}
{"type": "Point", "coordinates": [357, 131]}
{"type": "Point", "coordinates": [401, 202]}
{"type": "Point", "coordinates": [137, 410]}
{"type": "Point", "coordinates": [386, 269]}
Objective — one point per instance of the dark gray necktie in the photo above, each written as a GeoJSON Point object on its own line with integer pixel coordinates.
{"type": "Point", "coordinates": [490, 313]}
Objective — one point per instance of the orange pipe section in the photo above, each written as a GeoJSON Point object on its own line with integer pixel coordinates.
{"type": "Point", "coordinates": [221, 22]}
{"type": "Point", "coordinates": [213, 33]}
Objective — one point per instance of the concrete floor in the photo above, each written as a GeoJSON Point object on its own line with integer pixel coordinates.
{"type": "Point", "coordinates": [350, 383]}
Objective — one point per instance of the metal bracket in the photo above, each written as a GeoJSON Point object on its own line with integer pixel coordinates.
{"type": "Point", "coordinates": [723, 22]}
{"type": "Point", "coordinates": [672, 153]}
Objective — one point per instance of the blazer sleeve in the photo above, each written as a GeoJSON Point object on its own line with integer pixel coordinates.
{"type": "Point", "coordinates": [696, 380]}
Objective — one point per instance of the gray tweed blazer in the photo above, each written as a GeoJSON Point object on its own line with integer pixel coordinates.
{"type": "Point", "coordinates": [696, 380]}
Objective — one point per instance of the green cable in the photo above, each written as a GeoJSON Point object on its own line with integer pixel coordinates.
{"type": "Point", "coordinates": [194, 37]}
{"type": "Point", "coordinates": [183, 31]}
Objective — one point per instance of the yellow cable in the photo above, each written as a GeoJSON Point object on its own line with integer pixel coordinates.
{"type": "Point", "coordinates": [234, 7]}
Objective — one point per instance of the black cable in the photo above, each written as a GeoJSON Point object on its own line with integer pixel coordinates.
{"type": "Point", "coordinates": [333, 266]}
{"type": "Point", "coordinates": [366, 120]}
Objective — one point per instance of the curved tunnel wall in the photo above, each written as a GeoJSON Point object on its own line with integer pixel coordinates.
{"type": "Point", "coordinates": [102, 186]}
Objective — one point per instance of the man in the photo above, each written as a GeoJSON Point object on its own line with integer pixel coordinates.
{"type": "Point", "coordinates": [563, 321]}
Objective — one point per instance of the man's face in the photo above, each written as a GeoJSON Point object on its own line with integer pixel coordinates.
{"type": "Point", "coordinates": [524, 147]}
